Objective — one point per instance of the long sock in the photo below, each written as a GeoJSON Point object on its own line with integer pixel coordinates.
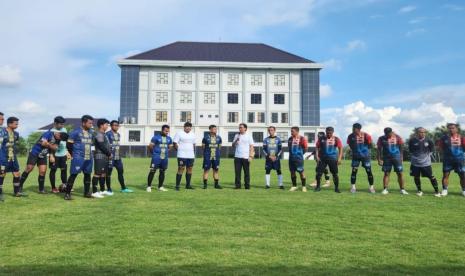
{"type": "Point", "coordinates": [417, 183]}
{"type": "Point", "coordinates": [121, 179]}
{"type": "Point", "coordinates": [294, 181]}
{"type": "Point", "coordinates": [353, 177]}
{"type": "Point", "coordinates": [370, 177]}
{"type": "Point", "coordinates": [336, 181]}
{"type": "Point", "coordinates": [108, 181]}
{"type": "Point", "coordinates": [64, 174]}
{"type": "Point", "coordinates": [188, 179]}
{"type": "Point", "coordinates": [178, 179]}
{"type": "Point", "coordinates": [150, 178]}
{"type": "Point", "coordinates": [318, 180]}
{"type": "Point", "coordinates": [94, 184]}
{"type": "Point", "coordinates": [161, 178]}
{"type": "Point", "coordinates": [23, 178]}
{"type": "Point", "coordinates": [1, 184]}
{"type": "Point", "coordinates": [101, 181]}
{"type": "Point", "coordinates": [304, 181]}
{"type": "Point", "coordinates": [86, 183]}
{"type": "Point", "coordinates": [216, 182]}
{"type": "Point", "coordinates": [16, 185]}
{"type": "Point", "coordinates": [267, 178]}
{"type": "Point", "coordinates": [41, 179]}
{"type": "Point", "coordinates": [205, 182]}
{"type": "Point", "coordinates": [70, 183]}
{"type": "Point", "coordinates": [434, 182]}
{"type": "Point", "coordinates": [51, 177]}
{"type": "Point", "coordinates": [280, 179]}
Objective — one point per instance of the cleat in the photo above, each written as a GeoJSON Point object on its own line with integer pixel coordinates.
{"type": "Point", "coordinates": [267, 187]}
{"type": "Point", "coordinates": [189, 187]}
{"type": "Point", "coordinates": [162, 189]}
{"type": "Point", "coordinates": [293, 189]}
{"type": "Point", "coordinates": [218, 187]}
{"type": "Point", "coordinates": [204, 187]}
{"type": "Point", "coordinates": [89, 195]}
{"type": "Point", "coordinates": [304, 189]}
{"type": "Point", "coordinates": [126, 190]}
{"type": "Point", "coordinates": [18, 194]}
{"type": "Point", "coordinates": [327, 184]}
{"type": "Point", "coordinates": [97, 195]}
{"type": "Point", "coordinates": [317, 189]}
{"type": "Point", "coordinates": [419, 193]}
{"type": "Point", "coordinates": [404, 192]}
{"type": "Point", "coordinates": [337, 190]}
{"type": "Point", "coordinates": [385, 192]}
{"type": "Point", "coordinates": [281, 187]}
{"type": "Point", "coordinates": [438, 194]}
{"type": "Point", "coordinates": [55, 191]}
{"type": "Point", "coordinates": [67, 196]}
{"type": "Point", "coordinates": [149, 189]}
{"type": "Point", "coordinates": [177, 188]}
{"type": "Point", "coordinates": [372, 189]}
{"type": "Point", "coordinates": [444, 192]}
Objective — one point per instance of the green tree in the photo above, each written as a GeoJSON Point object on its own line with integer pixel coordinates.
{"type": "Point", "coordinates": [22, 147]}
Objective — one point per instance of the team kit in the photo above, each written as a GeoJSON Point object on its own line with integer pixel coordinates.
{"type": "Point", "coordinates": [95, 152]}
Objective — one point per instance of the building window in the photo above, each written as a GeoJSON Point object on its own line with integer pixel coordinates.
{"type": "Point", "coordinates": [231, 136]}
{"type": "Point", "coordinates": [284, 118]}
{"type": "Point", "coordinates": [217, 116]}
{"type": "Point", "coordinates": [278, 98]}
{"type": "Point", "coordinates": [250, 117]}
{"type": "Point", "coordinates": [162, 78]}
{"type": "Point", "coordinates": [260, 117]}
{"type": "Point", "coordinates": [161, 116]}
{"type": "Point", "coordinates": [201, 116]}
{"type": "Point", "coordinates": [134, 136]}
{"type": "Point", "coordinates": [209, 79]}
{"type": "Point", "coordinates": [256, 80]}
{"type": "Point", "coordinates": [233, 79]}
{"type": "Point", "coordinates": [233, 117]}
{"type": "Point", "coordinates": [257, 136]}
{"type": "Point", "coordinates": [310, 137]}
{"type": "Point", "coordinates": [282, 136]}
{"type": "Point", "coordinates": [209, 115]}
{"type": "Point", "coordinates": [186, 98]}
{"type": "Point", "coordinates": [209, 98]}
{"type": "Point", "coordinates": [161, 97]}
{"type": "Point", "coordinates": [233, 98]}
{"type": "Point", "coordinates": [256, 98]}
{"type": "Point", "coordinates": [186, 116]}
{"type": "Point", "coordinates": [274, 118]}
{"type": "Point", "coordinates": [279, 80]}
{"type": "Point", "coordinates": [186, 78]}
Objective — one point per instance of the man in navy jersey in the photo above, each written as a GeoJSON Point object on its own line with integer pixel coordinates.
{"type": "Point", "coordinates": [8, 158]}
{"type": "Point", "coordinates": [421, 148]}
{"type": "Point", "coordinates": [390, 156]}
{"type": "Point", "coordinates": [116, 162]}
{"type": "Point", "coordinates": [297, 146]}
{"type": "Point", "coordinates": [328, 154]}
{"type": "Point", "coordinates": [211, 145]}
{"type": "Point", "coordinates": [360, 145]}
{"type": "Point", "coordinates": [159, 147]}
{"type": "Point", "coordinates": [2, 129]}
{"type": "Point", "coordinates": [102, 157]}
{"type": "Point", "coordinates": [452, 146]}
{"type": "Point", "coordinates": [272, 149]}
{"type": "Point", "coordinates": [79, 145]}
{"type": "Point", "coordinates": [59, 157]}
{"type": "Point", "coordinates": [326, 172]}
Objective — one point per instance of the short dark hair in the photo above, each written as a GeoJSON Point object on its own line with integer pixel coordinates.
{"type": "Point", "coordinates": [211, 126]}
{"type": "Point", "coordinates": [1, 114]}
{"type": "Point", "coordinates": [187, 124]}
{"type": "Point", "coordinates": [164, 126]}
{"type": "Point", "coordinates": [452, 124]}
{"type": "Point", "coordinates": [11, 120]}
{"type": "Point", "coordinates": [357, 126]}
{"type": "Point", "coordinates": [295, 128]}
{"type": "Point", "coordinates": [330, 128]}
{"type": "Point", "coordinates": [101, 122]}
{"type": "Point", "coordinates": [243, 124]}
{"type": "Point", "coordinates": [59, 120]}
{"type": "Point", "coordinates": [273, 127]}
{"type": "Point", "coordinates": [114, 122]}
{"type": "Point", "coordinates": [387, 130]}
{"type": "Point", "coordinates": [86, 118]}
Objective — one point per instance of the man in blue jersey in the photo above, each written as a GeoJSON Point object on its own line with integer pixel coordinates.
{"type": "Point", "coordinates": [389, 154]}
{"type": "Point", "coordinates": [2, 129]}
{"type": "Point", "coordinates": [8, 158]}
{"type": "Point", "coordinates": [79, 145]}
{"type": "Point", "coordinates": [328, 154]}
{"type": "Point", "coordinates": [452, 146]}
{"type": "Point", "coordinates": [159, 147]}
{"type": "Point", "coordinates": [297, 146]}
{"type": "Point", "coordinates": [116, 162]}
{"type": "Point", "coordinates": [272, 149]}
{"type": "Point", "coordinates": [360, 144]}
{"type": "Point", "coordinates": [211, 145]}
{"type": "Point", "coordinates": [59, 158]}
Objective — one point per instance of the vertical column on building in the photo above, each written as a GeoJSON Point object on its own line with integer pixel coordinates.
{"type": "Point", "coordinates": [243, 97]}
{"type": "Point", "coordinates": [267, 98]}
{"type": "Point", "coordinates": [196, 106]}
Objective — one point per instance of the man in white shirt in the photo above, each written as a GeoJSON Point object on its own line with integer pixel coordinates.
{"type": "Point", "coordinates": [184, 143]}
{"type": "Point", "coordinates": [244, 153]}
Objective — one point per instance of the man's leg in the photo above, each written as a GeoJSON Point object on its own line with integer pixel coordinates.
{"type": "Point", "coordinates": [150, 178]}
{"type": "Point", "coordinates": [216, 178]}
{"type": "Point", "coordinates": [189, 177]}
{"type": "Point", "coordinates": [303, 180]}
{"type": "Point", "coordinates": [205, 178]}
{"type": "Point", "coordinates": [267, 177]}
{"type": "Point", "coordinates": [237, 172]}
{"type": "Point", "coordinates": [25, 175]}
{"type": "Point", "coordinates": [246, 165]}
{"type": "Point", "coordinates": [41, 178]}
{"type": "Point", "coordinates": [179, 177]}
{"type": "Point", "coordinates": [161, 178]}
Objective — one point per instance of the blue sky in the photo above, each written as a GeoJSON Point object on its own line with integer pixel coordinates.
{"type": "Point", "coordinates": [387, 63]}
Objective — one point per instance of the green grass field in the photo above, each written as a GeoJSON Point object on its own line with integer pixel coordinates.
{"type": "Point", "coordinates": [238, 232]}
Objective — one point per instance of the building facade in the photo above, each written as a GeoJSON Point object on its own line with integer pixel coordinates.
{"type": "Point", "coordinates": [218, 83]}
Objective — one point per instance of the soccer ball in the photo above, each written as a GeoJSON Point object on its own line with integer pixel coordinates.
{"type": "Point", "coordinates": [62, 188]}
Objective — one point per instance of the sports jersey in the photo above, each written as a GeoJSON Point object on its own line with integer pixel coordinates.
{"type": "Point", "coordinates": [360, 145]}
{"type": "Point", "coordinates": [161, 146]}
{"type": "Point", "coordinates": [297, 147]}
{"type": "Point", "coordinates": [82, 143]}
{"type": "Point", "coordinates": [420, 151]}
{"type": "Point", "coordinates": [328, 147]}
{"type": "Point", "coordinates": [272, 146]}
{"type": "Point", "coordinates": [114, 138]}
{"type": "Point", "coordinates": [185, 142]}
{"type": "Point", "coordinates": [391, 146]}
{"type": "Point", "coordinates": [61, 150]}
{"type": "Point", "coordinates": [38, 149]}
{"type": "Point", "coordinates": [9, 143]}
{"type": "Point", "coordinates": [212, 146]}
{"type": "Point", "coordinates": [453, 147]}
{"type": "Point", "coordinates": [102, 146]}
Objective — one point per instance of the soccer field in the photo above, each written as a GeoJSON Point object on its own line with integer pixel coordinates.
{"type": "Point", "coordinates": [239, 232]}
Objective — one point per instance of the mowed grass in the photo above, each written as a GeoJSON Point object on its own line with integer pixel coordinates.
{"type": "Point", "coordinates": [238, 232]}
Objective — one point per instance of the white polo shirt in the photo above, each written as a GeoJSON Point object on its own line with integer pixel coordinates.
{"type": "Point", "coordinates": [243, 147]}
{"type": "Point", "coordinates": [186, 142]}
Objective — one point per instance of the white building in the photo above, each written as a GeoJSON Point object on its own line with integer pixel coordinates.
{"type": "Point", "coordinates": [218, 83]}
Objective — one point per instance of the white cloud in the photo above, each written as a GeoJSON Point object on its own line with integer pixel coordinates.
{"type": "Point", "coordinates": [325, 90]}
{"type": "Point", "coordinates": [354, 45]}
{"type": "Point", "coordinates": [27, 107]}
{"type": "Point", "coordinates": [332, 64]}
{"type": "Point", "coordinates": [9, 76]}
{"type": "Point", "coordinates": [453, 7]}
{"type": "Point", "coordinates": [415, 32]}
{"type": "Point", "coordinates": [417, 20]}
{"type": "Point", "coordinates": [407, 9]}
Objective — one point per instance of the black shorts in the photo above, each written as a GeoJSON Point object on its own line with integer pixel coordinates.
{"type": "Point", "coordinates": [35, 159]}
{"type": "Point", "coordinates": [60, 163]}
{"type": "Point", "coordinates": [421, 171]}
{"type": "Point", "coordinates": [331, 163]}
{"type": "Point", "coordinates": [101, 166]}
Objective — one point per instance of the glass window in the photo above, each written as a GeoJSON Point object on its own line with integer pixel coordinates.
{"type": "Point", "coordinates": [233, 98]}
{"type": "Point", "coordinates": [185, 98]}
{"type": "Point", "coordinates": [134, 136]}
{"type": "Point", "coordinates": [310, 136]}
{"type": "Point", "coordinates": [278, 98]}
{"type": "Point", "coordinates": [256, 98]}
{"type": "Point", "coordinates": [260, 117]}
{"type": "Point", "coordinates": [186, 116]}
{"type": "Point", "coordinates": [233, 117]}
{"type": "Point", "coordinates": [250, 117]}
{"type": "Point", "coordinates": [231, 135]}
{"type": "Point", "coordinates": [284, 118]}
{"type": "Point", "coordinates": [209, 79]}
{"type": "Point", "coordinates": [186, 78]}
{"type": "Point", "coordinates": [209, 98]}
{"type": "Point", "coordinates": [282, 135]}
{"type": "Point", "coordinates": [274, 117]}
{"type": "Point", "coordinates": [257, 136]}
{"type": "Point", "coordinates": [162, 78]}
{"type": "Point", "coordinates": [161, 116]}
{"type": "Point", "coordinates": [233, 79]}
{"type": "Point", "coordinates": [279, 80]}
{"type": "Point", "coordinates": [161, 97]}
{"type": "Point", "coordinates": [256, 80]}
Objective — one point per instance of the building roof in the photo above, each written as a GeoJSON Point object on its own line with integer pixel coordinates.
{"type": "Point", "coordinates": [74, 122]}
{"type": "Point", "coordinates": [220, 52]}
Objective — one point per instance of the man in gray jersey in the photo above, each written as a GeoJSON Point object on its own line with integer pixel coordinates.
{"type": "Point", "coordinates": [102, 156]}
{"type": "Point", "coordinates": [421, 148]}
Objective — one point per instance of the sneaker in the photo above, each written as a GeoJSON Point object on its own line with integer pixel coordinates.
{"type": "Point", "coordinates": [43, 192]}
{"type": "Point", "coordinates": [463, 193]}
{"type": "Point", "coordinates": [126, 190]}
{"type": "Point", "coordinates": [176, 188]}
{"type": "Point", "coordinates": [189, 187]}
{"type": "Point", "coordinates": [267, 187]}
{"type": "Point", "coordinates": [218, 187]}
{"type": "Point", "coordinates": [97, 195]}
{"type": "Point", "coordinates": [313, 184]}
{"type": "Point", "coordinates": [55, 191]}
{"type": "Point", "coordinates": [293, 189]}
{"type": "Point", "coordinates": [385, 192]}
{"type": "Point", "coordinates": [304, 189]}
{"type": "Point", "coordinates": [372, 189]}
{"type": "Point", "coordinates": [327, 184]}
{"type": "Point", "coordinates": [317, 189]}
{"type": "Point", "coordinates": [102, 193]}
{"type": "Point", "coordinates": [149, 189]}
{"type": "Point", "coordinates": [438, 194]}
{"type": "Point", "coordinates": [162, 189]}
{"type": "Point", "coordinates": [108, 193]}
{"type": "Point", "coordinates": [353, 190]}
{"type": "Point", "coordinates": [419, 193]}
{"type": "Point", "coordinates": [281, 187]}
{"type": "Point", "coordinates": [336, 190]}
{"type": "Point", "coordinates": [403, 192]}
{"type": "Point", "coordinates": [18, 194]}
{"type": "Point", "coordinates": [444, 192]}
{"type": "Point", "coordinates": [67, 196]}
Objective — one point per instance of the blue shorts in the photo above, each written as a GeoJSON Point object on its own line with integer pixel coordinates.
{"type": "Point", "coordinates": [80, 165]}
{"type": "Point", "coordinates": [211, 164]}
{"type": "Point", "coordinates": [186, 162]}
{"type": "Point", "coordinates": [273, 165]}
{"type": "Point", "coordinates": [366, 162]}
{"type": "Point", "coordinates": [118, 164]}
{"type": "Point", "coordinates": [10, 166]}
{"type": "Point", "coordinates": [388, 164]}
{"type": "Point", "coordinates": [457, 166]}
{"type": "Point", "coordinates": [296, 165]}
{"type": "Point", "coordinates": [158, 163]}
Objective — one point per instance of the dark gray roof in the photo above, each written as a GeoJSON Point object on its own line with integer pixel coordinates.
{"type": "Point", "coordinates": [220, 51]}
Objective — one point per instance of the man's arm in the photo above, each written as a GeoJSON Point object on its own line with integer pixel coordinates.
{"type": "Point", "coordinates": [378, 152]}
{"type": "Point", "coordinates": [340, 150]}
